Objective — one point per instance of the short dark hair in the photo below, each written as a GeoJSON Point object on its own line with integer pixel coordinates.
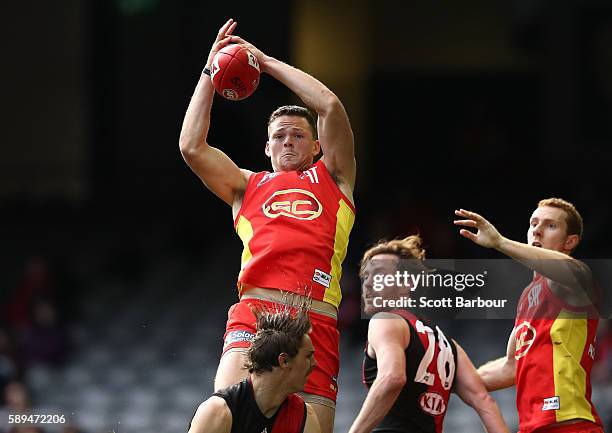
{"type": "Point", "coordinates": [295, 110]}
{"type": "Point", "coordinates": [278, 331]}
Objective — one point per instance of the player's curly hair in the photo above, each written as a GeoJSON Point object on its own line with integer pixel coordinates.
{"type": "Point", "coordinates": [295, 110]}
{"type": "Point", "coordinates": [407, 248]}
{"type": "Point", "coordinates": [573, 218]}
{"type": "Point", "coordinates": [279, 330]}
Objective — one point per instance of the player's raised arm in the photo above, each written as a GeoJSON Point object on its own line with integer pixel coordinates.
{"type": "Point", "coordinates": [471, 389]}
{"type": "Point", "coordinates": [501, 373]}
{"type": "Point", "coordinates": [389, 336]}
{"type": "Point", "coordinates": [553, 264]}
{"type": "Point", "coordinates": [218, 172]}
{"type": "Point", "coordinates": [334, 128]}
{"type": "Point", "coordinates": [213, 416]}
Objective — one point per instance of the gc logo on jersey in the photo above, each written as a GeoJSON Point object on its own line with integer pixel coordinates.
{"type": "Point", "coordinates": [524, 335]}
{"type": "Point", "coordinates": [293, 203]}
{"type": "Point", "coordinates": [432, 403]}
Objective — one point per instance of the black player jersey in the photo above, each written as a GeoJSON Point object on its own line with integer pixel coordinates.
{"type": "Point", "coordinates": [430, 374]}
{"type": "Point", "coordinates": [247, 418]}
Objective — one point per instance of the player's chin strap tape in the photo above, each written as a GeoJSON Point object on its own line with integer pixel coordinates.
{"type": "Point", "coordinates": [206, 71]}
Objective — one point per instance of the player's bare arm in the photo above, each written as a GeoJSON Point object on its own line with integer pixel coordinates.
{"type": "Point", "coordinates": [312, 422]}
{"type": "Point", "coordinates": [334, 128]}
{"type": "Point", "coordinates": [501, 373]}
{"type": "Point", "coordinates": [218, 172]}
{"type": "Point", "coordinates": [555, 265]}
{"type": "Point", "coordinates": [470, 387]}
{"type": "Point", "coordinates": [388, 336]}
{"type": "Point", "coordinates": [213, 416]}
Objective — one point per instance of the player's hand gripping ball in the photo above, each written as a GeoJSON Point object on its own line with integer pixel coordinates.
{"type": "Point", "coordinates": [235, 72]}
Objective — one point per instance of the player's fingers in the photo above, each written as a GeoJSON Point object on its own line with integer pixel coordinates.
{"type": "Point", "coordinates": [461, 213]}
{"type": "Point", "coordinates": [472, 215]}
{"type": "Point", "coordinates": [224, 28]}
{"type": "Point", "coordinates": [222, 43]}
{"type": "Point", "coordinates": [231, 28]}
{"type": "Point", "coordinates": [468, 234]}
{"type": "Point", "coordinates": [239, 40]}
{"type": "Point", "coordinates": [467, 223]}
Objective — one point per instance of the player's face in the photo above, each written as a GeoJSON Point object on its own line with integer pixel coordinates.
{"type": "Point", "coordinates": [373, 281]}
{"type": "Point", "coordinates": [302, 364]}
{"type": "Point", "coordinates": [291, 145]}
{"type": "Point", "coordinates": [548, 229]}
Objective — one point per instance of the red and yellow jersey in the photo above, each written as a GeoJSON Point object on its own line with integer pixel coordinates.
{"type": "Point", "coordinates": [294, 226]}
{"type": "Point", "coordinates": [555, 348]}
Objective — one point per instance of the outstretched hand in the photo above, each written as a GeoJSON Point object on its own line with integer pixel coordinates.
{"type": "Point", "coordinates": [487, 235]}
{"type": "Point", "coordinates": [223, 39]}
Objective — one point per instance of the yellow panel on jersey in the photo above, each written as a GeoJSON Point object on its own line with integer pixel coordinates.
{"type": "Point", "coordinates": [345, 218]}
{"type": "Point", "coordinates": [569, 337]}
{"type": "Point", "coordinates": [245, 231]}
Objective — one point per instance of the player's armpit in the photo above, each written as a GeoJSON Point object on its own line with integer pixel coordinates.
{"type": "Point", "coordinates": [213, 416]}
{"type": "Point", "coordinates": [312, 422]}
{"type": "Point", "coordinates": [218, 172]}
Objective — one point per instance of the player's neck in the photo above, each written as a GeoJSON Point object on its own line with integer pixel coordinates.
{"type": "Point", "coordinates": [269, 392]}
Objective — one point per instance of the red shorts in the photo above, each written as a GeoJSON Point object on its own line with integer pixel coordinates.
{"type": "Point", "coordinates": [240, 331]}
{"type": "Point", "coordinates": [577, 427]}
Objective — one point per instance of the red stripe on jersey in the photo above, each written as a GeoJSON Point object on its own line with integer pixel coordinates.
{"type": "Point", "coordinates": [291, 416]}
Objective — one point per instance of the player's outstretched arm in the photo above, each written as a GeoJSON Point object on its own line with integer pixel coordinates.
{"type": "Point", "coordinates": [389, 336]}
{"type": "Point", "coordinates": [218, 172]}
{"type": "Point", "coordinates": [213, 416]}
{"type": "Point", "coordinates": [500, 373]}
{"type": "Point", "coordinates": [312, 422]}
{"type": "Point", "coordinates": [335, 133]}
{"type": "Point", "coordinates": [471, 389]}
{"type": "Point", "coordinates": [554, 265]}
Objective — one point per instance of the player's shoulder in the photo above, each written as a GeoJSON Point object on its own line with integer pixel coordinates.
{"type": "Point", "coordinates": [246, 173]}
{"type": "Point", "coordinates": [387, 327]}
{"type": "Point", "coordinates": [387, 315]}
{"type": "Point", "coordinates": [213, 413]}
{"type": "Point", "coordinates": [218, 406]}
